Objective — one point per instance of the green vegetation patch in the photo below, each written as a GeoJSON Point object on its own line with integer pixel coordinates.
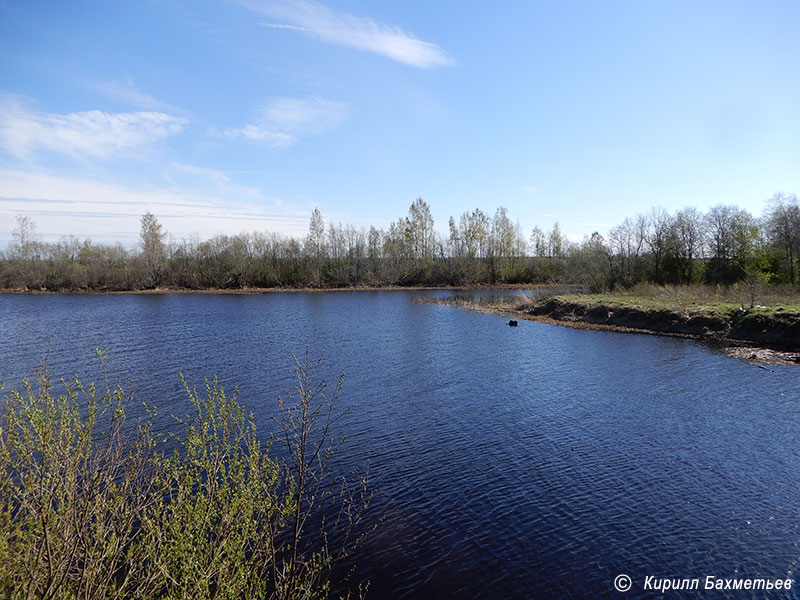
{"type": "Point", "coordinates": [94, 506]}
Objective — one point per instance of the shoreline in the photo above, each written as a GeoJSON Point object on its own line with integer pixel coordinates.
{"type": "Point", "coordinates": [761, 325]}
{"type": "Point", "coordinates": [278, 290]}
{"type": "Point", "coordinates": [761, 338]}
{"type": "Point", "coordinates": [742, 349]}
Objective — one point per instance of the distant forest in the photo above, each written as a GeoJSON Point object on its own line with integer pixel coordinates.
{"type": "Point", "coordinates": [723, 246]}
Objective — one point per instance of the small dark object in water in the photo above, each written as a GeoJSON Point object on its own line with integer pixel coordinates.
{"type": "Point", "coordinates": [512, 323]}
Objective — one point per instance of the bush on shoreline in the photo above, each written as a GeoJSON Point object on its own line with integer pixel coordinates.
{"type": "Point", "coordinates": [92, 506]}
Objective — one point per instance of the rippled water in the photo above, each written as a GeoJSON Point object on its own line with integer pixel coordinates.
{"type": "Point", "coordinates": [536, 461]}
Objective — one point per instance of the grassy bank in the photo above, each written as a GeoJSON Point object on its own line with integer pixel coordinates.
{"type": "Point", "coordinates": [723, 315]}
{"type": "Point", "coordinates": [773, 321]}
{"type": "Point", "coordinates": [699, 298]}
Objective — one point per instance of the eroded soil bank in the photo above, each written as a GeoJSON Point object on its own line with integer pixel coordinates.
{"type": "Point", "coordinates": [758, 334]}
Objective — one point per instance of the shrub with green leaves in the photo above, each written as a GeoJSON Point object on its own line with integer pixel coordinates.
{"type": "Point", "coordinates": [92, 506]}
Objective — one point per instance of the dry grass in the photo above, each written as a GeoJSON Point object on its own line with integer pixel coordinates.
{"type": "Point", "coordinates": [699, 298]}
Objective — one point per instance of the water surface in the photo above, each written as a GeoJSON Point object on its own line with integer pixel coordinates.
{"type": "Point", "coordinates": [537, 461]}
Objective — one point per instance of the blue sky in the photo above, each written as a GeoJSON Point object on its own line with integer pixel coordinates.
{"type": "Point", "coordinates": [221, 116]}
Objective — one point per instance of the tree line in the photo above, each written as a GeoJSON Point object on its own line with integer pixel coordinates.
{"type": "Point", "coordinates": [723, 246]}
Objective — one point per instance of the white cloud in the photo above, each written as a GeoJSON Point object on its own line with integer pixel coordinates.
{"type": "Point", "coordinates": [125, 90]}
{"type": "Point", "coordinates": [352, 31]}
{"type": "Point", "coordinates": [285, 120]}
{"type": "Point", "coordinates": [532, 189]}
{"type": "Point", "coordinates": [92, 133]}
{"type": "Point", "coordinates": [203, 181]}
{"type": "Point", "coordinates": [109, 212]}
{"type": "Point", "coordinates": [260, 133]}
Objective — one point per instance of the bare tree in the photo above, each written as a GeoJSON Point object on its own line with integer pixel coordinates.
{"type": "Point", "coordinates": [502, 233]}
{"type": "Point", "coordinates": [782, 221]}
{"type": "Point", "coordinates": [590, 263]}
{"type": "Point", "coordinates": [659, 225]}
{"type": "Point", "coordinates": [455, 241]}
{"type": "Point", "coordinates": [626, 241]}
{"type": "Point", "coordinates": [25, 244]}
{"type": "Point", "coordinates": [25, 252]}
{"type": "Point", "coordinates": [689, 232]}
{"type": "Point", "coordinates": [420, 231]}
{"type": "Point", "coordinates": [315, 247]}
{"type": "Point", "coordinates": [538, 242]}
{"type": "Point", "coordinates": [474, 227]}
{"type": "Point", "coordinates": [154, 251]}
{"type": "Point", "coordinates": [719, 226]}
{"type": "Point", "coordinates": [555, 242]}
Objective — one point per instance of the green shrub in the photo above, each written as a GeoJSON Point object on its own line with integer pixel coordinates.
{"type": "Point", "coordinates": [92, 506]}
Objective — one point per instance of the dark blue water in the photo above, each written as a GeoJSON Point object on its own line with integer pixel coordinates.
{"type": "Point", "coordinates": [536, 461]}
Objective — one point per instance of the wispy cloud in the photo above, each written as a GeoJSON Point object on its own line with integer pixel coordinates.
{"type": "Point", "coordinates": [532, 189]}
{"type": "Point", "coordinates": [93, 133]}
{"type": "Point", "coordinates": [344, 29]}
{"type": "Point", "coordinates": [285, 120]}
{"type": "Point", "coordinates": [126, 91]}
{"type": "Point", "coordinates": [110, 212]}
{"type": "Point", "coordinates": [204, 181]}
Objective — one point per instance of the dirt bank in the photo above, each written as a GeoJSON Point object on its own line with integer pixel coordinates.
{"type": "Point", "coordinates": [757, 327]}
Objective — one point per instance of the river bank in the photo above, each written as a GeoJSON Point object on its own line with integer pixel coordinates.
{"type": "Point", "coordinates": [459, 414]}
{"type": "Point", "coordinates": [270, 290]}
{"type": "Point", "coordinates": [761, 333]}
{"type": "Point", "coordinates": [764, 334]}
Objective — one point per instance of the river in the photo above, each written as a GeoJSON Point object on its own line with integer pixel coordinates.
{"type": "Point", "coordinates": [536, 461]}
